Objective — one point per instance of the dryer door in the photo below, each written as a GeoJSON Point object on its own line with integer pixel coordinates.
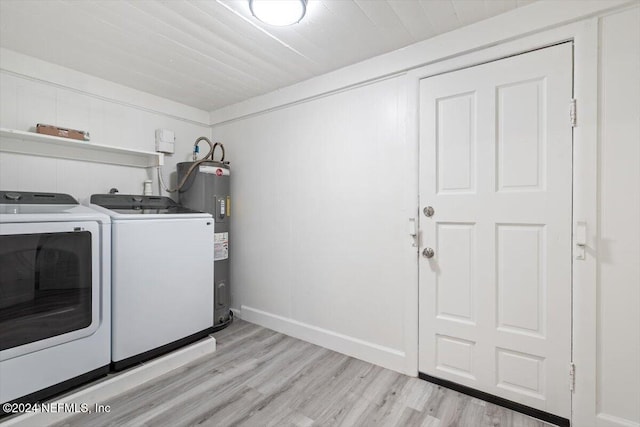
{"type": "Point", "coordinates": [49, 284]}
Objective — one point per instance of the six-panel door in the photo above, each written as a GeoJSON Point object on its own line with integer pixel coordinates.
{"type": "Point", "coordinates": [496, 165]}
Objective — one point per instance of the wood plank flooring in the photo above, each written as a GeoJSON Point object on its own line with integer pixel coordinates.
{"type": "Point", "coordinates": [258, 377]}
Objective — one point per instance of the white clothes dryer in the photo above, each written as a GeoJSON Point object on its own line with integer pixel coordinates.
{"type": "Point", "coordinates": [55, 314]}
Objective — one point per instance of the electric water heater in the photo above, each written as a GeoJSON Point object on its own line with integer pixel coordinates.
{"type": "Point", "coordinates": [208, 190]}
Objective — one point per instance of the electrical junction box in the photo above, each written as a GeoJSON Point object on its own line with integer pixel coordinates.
{"type": "Point", "coordinates": [165, 141]}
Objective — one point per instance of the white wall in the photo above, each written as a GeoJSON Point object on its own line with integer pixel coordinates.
{"type": "Point", "coordinates": [35, 91]}
{"type": "Point", "coordinates": [618, 317]}
{"type": "Point", "coordinates": [320, 245]}
{"type": "Point", "coordinates": [282, 146]}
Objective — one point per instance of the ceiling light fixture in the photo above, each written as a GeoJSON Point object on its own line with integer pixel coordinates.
{"type": "Point", "coordinates": [278, 12]}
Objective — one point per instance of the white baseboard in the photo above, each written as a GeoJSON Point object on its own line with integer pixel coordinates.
{"type": "Point", "coordinates": [113, 385]}
{"type": "Point", "coordinates": [606, 420]}
{"type": "Point", "coordinates": [369, 352]}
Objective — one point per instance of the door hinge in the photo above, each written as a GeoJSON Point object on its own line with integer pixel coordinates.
{"type": "Point", "coordinates": [572, 376]}
{"type": "Point", "coordinates": [572, 113]}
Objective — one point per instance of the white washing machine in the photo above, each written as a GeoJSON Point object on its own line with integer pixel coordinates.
{"type": "Point", "coordinates": [161, 276]}
{"type": "Point", "coordinates": [55, 324]}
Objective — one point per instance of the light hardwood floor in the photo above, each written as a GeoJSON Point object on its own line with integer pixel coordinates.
{"type": "Point", "coordinates": [258, 377]}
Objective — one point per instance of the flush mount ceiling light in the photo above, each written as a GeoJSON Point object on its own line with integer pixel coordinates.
{"type": "Point", "coordinates": [278, 12]}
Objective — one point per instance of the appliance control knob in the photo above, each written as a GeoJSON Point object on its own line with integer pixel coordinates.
{"type": "Point", "coordinates": [137, 199]}
{"type": "Point", "coordinates": [12, 196]}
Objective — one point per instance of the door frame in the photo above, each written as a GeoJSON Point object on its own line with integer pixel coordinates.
{"type": "Point", "coordinates": [584, 36]}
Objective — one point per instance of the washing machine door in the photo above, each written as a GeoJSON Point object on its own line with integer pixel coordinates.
{"type": "Point", "coordinates": [49, 284]}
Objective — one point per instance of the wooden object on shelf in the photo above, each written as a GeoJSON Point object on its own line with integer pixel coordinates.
{"type": "Point", "coordinates": [62, 132]}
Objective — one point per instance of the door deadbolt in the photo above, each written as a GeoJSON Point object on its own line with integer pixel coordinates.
{"type": "Point", "coordinates": [428, 253]}
{"type": "Point", "coordinates": [428, 211]}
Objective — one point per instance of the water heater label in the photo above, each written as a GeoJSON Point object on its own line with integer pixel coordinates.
{"type": "Point", "coordinates": [220, 246]}
{"type": "Point", "coordinates": [215, 170]}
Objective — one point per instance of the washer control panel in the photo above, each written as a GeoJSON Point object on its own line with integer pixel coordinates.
{"type": "Point", "coordinates": [33, 198]}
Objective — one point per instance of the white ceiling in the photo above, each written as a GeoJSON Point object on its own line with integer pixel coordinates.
{"type": "Point", "coordinates": [213, 53]}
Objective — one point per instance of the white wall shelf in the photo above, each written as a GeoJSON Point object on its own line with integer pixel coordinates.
{"type": "Point", "coordinates": [16, 141]}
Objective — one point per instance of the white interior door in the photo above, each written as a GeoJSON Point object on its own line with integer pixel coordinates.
{"type": "Point", "coordinates": [496, 166]}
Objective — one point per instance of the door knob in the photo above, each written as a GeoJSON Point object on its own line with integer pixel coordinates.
{"type": "Point", "coordinates": [428, 211]}
{"type": "Point", "coordinates": [428, 253]}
